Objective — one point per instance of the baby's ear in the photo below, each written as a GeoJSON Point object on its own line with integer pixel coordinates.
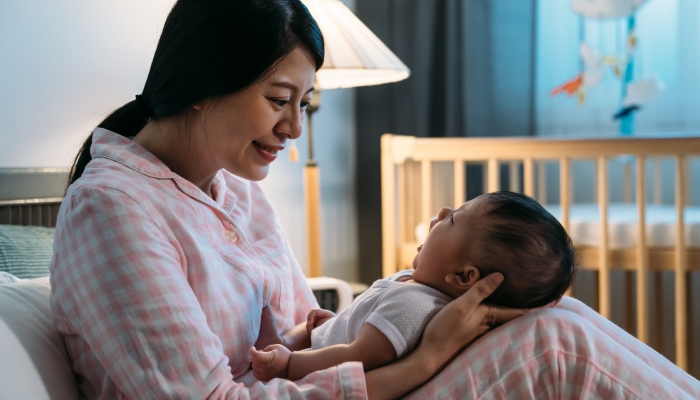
{"type": "Point", "coordinates": [464, 278]}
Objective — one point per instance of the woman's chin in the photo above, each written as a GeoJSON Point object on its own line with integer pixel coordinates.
{"type": "Point", "coordinates": [251, 174]}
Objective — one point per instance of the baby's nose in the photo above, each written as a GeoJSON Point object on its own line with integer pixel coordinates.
{"type": "Point", "coordinates": [433, 222]}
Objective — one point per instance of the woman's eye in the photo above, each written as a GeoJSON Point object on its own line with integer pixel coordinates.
{"type": "Point", "coordinates": [279, 103]}
{"type": "Point", "coordinates": [304, 104]}
{"type": "Point", "coordinates": [452, 219]}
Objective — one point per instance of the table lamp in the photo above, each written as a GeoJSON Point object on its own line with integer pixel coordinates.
{"type": "Point", "coordinates": [354, 57]}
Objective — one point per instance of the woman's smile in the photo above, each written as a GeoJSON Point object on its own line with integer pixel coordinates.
{"type": "Point", "coordinates": [268, 153]}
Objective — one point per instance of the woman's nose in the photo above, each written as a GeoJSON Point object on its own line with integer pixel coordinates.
{"type": "Point", "coordinates": [292, 123]}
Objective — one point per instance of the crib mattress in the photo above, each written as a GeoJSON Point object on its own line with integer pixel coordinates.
{"type": "Point", "coordinates": [584, 224]}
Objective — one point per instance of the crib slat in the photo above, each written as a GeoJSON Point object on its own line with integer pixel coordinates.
{"type": "Point", "coordinates": [565, 198]}
{"type": "Point", "coordinates": [493, 172]}
{"type": "Point", "coordinates": [426, 177]}
{"type": "Point", "coordinates": [604, 256]}
{"type": "Point", "coordinates": [401, 179]}
{"type": "Point", "coordinates": [564, 190]}
{"type": "Point", "coordinates": [642, 256]}
{"type": "Point", "coordinates": [459, 183]}
{"type": "Point", "coordinates": [541, 182]}
{"type": "Point", "coordinates": [388, 203]}
{"type": "Point", "coordinates": [680, 269]}
{"type": "Point", "coordinates": [411, 198]}
{"type": "Point", "coordinates": [529, 177]}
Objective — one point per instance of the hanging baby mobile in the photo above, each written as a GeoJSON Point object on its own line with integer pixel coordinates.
{"type": "Point", "coordinates": [635, 93]}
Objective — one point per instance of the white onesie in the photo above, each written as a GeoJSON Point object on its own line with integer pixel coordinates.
{"type": "Point", "coordinates": [400, 310]}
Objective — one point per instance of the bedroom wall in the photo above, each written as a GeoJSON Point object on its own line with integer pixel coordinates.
{"type": "Point", "coordinates": [65, 65]}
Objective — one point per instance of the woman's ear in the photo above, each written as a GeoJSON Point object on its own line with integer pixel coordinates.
{"type": "Point", "coordinates": [197, 106]}
{"type": "Point", "coordinates": [464, 278]}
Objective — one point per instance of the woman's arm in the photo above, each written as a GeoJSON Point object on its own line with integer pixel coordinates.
{"type": "Point", "coordinates": [371, 347]}
{"type": "Point", "coordinates": [118, 285]}
{"type": "Point", "coordinates": [452, 329]}
{"type": "Point", "coordinates": [456, 326]}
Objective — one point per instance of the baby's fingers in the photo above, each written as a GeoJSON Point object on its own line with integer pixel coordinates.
{"type": "Point", "coordinates": [311, 321]}
{"type": "Point", "coordinates": [259, 357]}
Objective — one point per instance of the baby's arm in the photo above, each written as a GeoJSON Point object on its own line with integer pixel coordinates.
{"type": "Point", "coordinates": [371, 347]}
{"type": "Point", "coordinates": [299, 337]}
{"type": "Point", "coordinates": [295, 338]}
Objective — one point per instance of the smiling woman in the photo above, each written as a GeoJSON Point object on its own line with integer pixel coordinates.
{"type": "Point", "coordinates": [240, 132]}
{"type": "Point", "coordinates": [198, 63]}
{"type": "Point", "coordinates": [169, 262]}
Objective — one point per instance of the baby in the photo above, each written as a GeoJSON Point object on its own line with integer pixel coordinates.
{"type": "Point", "coordinates": [498, 232]}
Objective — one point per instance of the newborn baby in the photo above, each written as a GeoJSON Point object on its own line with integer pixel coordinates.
{"type": "Point", "coordinates": [497, 232]}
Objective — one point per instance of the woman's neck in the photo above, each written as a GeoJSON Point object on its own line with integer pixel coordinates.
{"type": "Point", "coordinates": [181, 151]}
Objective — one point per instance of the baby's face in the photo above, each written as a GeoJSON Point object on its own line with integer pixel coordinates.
{"type": "Point", "coordinates": [450, 245]}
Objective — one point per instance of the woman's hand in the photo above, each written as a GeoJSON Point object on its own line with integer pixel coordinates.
{"type": "Point", "coordinates": [270, 363]}
{"type": "Point", "coordinates": [464, 320]}
{"type": "Point", "coordinates": [456, 326]}
{"type": "Point", "coordinates": [316, 318]}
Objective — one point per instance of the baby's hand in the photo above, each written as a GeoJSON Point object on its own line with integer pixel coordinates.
{"type": "Point", "coordinates": [316, 318]}
{"type": "Point", "coordinates": [270, 363]}
{"type": "Point", "coordinates": [268, 330]}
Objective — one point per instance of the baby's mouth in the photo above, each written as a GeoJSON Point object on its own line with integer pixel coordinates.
{"type": "Point", "coordinates": [266, 148]}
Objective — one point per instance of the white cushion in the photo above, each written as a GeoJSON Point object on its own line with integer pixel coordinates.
{"type": "Point", "coordinates": [34, 363]}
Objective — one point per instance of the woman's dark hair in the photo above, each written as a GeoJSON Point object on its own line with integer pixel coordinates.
{"type": "Point", "coordinates": [210, 49]}
{"type": "Point", "coordinates": [530, 247]}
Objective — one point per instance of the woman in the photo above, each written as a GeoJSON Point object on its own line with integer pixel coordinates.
{"type": "Point", "coordinates": [168, 255]}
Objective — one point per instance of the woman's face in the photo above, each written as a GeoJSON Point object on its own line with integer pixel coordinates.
{"type": "Point", "coordinates": [245, 131]}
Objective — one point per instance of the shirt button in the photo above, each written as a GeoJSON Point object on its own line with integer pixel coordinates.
{"type": "Point", "coordinates": [230, 236]}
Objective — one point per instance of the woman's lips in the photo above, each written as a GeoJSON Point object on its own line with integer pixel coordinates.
{"type": "Point", "coordinates": [268, 153]}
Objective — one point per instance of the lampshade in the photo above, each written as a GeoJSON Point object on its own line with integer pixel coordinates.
{"type": "Point", "coordinates": [354, 55]}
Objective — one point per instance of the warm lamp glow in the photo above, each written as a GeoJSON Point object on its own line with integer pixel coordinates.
{"type": "Point", "coordinates": [354, 55]}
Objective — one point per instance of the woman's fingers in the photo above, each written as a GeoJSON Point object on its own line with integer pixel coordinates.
{"type": "Point", "coordinates": [481, 290]}
{"type": "Point", "coordinates": [496, 315]}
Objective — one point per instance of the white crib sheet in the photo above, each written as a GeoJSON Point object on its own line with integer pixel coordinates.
{"type": "Point", "coordinates": [622, 222]}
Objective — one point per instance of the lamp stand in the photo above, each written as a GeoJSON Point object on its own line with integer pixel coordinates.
{"type": "Point", "coordinates": [312, 197]}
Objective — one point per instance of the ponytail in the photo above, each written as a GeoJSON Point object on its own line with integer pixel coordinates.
{"type": "Point", "coordinates": [127, 121]}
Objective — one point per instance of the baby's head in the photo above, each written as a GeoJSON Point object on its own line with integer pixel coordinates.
{"type": "Point", "coordinates": [501, 232]}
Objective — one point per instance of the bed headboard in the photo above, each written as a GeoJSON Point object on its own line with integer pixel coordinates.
{"type": "Point", "coordinates": [31, 196]}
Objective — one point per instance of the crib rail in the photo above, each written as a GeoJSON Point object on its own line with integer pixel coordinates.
{"type": "Point", "coordinates": [408, 172]}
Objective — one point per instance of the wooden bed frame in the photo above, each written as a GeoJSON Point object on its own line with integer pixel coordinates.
{"type": "Point", "coordinates": [412, 167]}
{"type": "Point", "coordinates": [31, 196]}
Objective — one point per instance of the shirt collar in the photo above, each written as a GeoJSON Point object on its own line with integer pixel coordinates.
{"type": "Point", "coordinates": [113, 146]}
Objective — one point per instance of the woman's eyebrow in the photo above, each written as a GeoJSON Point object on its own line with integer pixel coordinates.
{"type": "Point", "coordinates": [291, 86]}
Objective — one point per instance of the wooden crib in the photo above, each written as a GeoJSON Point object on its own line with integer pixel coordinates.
{"type": "Point", "coordinates": [420, 175]}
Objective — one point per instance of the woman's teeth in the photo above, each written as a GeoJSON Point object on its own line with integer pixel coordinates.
{"type": "Point", "coordinates": [267, 149]}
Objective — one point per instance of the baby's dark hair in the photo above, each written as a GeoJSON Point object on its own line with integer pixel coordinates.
{"type": "Point", "coordinates": [525, 243]}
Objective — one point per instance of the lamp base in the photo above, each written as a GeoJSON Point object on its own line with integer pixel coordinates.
{"type": "Point", "coordinates": [312, 200]}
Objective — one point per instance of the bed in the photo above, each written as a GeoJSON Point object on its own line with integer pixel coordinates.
{"type": "Point", "coordinates": [420, 175]}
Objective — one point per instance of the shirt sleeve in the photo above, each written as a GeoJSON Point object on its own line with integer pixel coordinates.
{"type": "Point", "coordinates": [402, 313]}
{"type": "Point", "coordinates": [119, 283]}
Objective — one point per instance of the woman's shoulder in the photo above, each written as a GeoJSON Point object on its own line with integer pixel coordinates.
{"type": "Point", "coordinates": [111, 179]}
